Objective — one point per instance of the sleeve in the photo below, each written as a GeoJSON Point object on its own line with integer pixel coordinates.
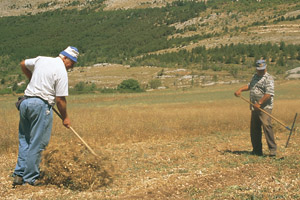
{"type": "Point", "coordinates": [270, 86]}
{"type": "Point", "coordinates": [30, 63]}
{"type": "Point", "coordinates": [250, 84]}
{"type": "Point", "coordinates": [61, 86]}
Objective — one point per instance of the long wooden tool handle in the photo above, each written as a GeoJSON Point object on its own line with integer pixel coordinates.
{"type": "Point", "coordinates": [87, 146]}
{"type": "Point", "coordinates": [287, 142]}
{"type": "Point", "coordinates": [285, 126]}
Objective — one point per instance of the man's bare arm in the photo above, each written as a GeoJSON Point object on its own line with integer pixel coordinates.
{"type": "Point", "coordinates": [26, 71]}
{"type": "Point", "coordinates": [239, 91]}
{"type": "Point", "coordinates": [61, 103]}
{"type": "Point", "coordinates": [265, 98]}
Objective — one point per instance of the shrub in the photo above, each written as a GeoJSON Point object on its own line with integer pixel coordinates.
{"type": "Point", "coordinates": [82, 87]}
{"type": "Point", "coordinates": [129, 85]}
{"type": "Point", "coordinates": [21, 88]}
{"type": "Point", "coordinates": [5, 91]}
{"type": "Point", "coordinates": [234, 71]}
{"type": "Point", "coordinates": [15, 86]}
{"type": "Point", "coordinates": [79, 87]}
{"type": "Point", "coordinates": [155, 83]}
{"type": "Point", "coordinates": [108, 90]}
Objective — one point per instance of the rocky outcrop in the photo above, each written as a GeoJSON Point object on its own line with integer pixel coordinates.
{"type": "Point", "coordinates": [293, 73]}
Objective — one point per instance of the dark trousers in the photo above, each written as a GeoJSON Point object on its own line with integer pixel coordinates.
{"type": "Point", "coordinates": [258, 120]}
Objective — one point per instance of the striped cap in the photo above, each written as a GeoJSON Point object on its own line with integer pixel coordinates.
{"type": "Point", "coordinates": [261, 64]}
{"type": "Point", "coordinates": [71, 52]}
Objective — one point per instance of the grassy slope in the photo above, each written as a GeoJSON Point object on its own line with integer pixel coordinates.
{"type": "Point", "coordinates": [230, 23]}
{"type": "Point", "coordinates": [109, 46]}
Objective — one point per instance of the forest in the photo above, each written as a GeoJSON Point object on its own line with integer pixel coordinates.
{"type": "Point", "coordinates": [129, 36]}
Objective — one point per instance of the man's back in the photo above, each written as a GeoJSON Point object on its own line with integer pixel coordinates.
{"type": "Point", "coordinates": [49, 78]}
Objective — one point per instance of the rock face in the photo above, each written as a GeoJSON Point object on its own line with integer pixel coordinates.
{"type": "Point", "coordinates": [293, 73]}
{"type": "Point", "coordinates": [129, 4]}
{"type": "Point", "coordinates": [24, 7]}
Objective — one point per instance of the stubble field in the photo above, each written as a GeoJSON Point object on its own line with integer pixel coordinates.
{"type": "Point", "coordinates": [172, 144]}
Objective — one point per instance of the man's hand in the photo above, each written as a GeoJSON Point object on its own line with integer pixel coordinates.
{"type": "Point", "coordinates": [237, 93]}
{"type": "Point", "coordinates": [67, 122]}
{"type": "Point", "coordinates": [256, 106]}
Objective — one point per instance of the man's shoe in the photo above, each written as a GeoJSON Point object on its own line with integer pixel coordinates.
{"type": "Point", "coordinates": [256, 153]}
{"type": "Point", "coordinates": [36, 183]}
{"type": "Point", "coordinates": [272, 155]}
{"type": "Point", "coordinates": [18, 180]}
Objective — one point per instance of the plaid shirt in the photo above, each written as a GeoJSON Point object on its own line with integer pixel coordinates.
{"type": "Point", "coordinates": [259, 86]}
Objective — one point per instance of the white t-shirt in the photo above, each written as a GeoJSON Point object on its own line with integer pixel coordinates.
{"type": "Point", "coordinates": [49, 78]}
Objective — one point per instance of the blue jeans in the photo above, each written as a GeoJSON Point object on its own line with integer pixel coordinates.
{"type": "Point", "coordinates": [34, 134]}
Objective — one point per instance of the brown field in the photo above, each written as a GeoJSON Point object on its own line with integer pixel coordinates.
{"type": "Point", "coordinates": [171, 144]}
{"type": "Point", "coordinates": [112, 75]}
{"type": "Point", "coordinates": [190, 143]}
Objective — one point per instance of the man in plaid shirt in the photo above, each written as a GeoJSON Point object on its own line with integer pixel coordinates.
{"type": "Point", "coordinates": [261, 95]}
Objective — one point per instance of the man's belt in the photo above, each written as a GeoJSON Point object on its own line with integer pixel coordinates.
{"type": "Point", "coordinates": [29, 97]}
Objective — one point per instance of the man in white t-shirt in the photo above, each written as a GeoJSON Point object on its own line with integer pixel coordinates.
{"type": "Point", "coordinates": [48, 85]}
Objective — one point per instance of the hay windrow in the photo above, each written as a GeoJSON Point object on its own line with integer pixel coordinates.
{"type": "Point", "coordinates": [73, 166]}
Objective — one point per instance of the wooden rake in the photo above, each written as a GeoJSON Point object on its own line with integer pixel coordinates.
{"type": "Point", "coordinates": [281, 123]}
{"type": "Point", "coordinates": [87, 146]}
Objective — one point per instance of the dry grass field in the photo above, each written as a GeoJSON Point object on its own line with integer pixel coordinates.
{"type": "Point", "coordinates": [110, 76]}
{"type": "Point", "coordinates": [184, 142]}
{"type": "Point", "coordinates": [170, 144]}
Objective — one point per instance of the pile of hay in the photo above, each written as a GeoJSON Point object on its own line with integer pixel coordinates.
{"type": "Point", "coordinates": [73, 166]}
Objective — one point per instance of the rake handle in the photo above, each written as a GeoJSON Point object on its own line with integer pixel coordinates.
{"type": "Point", "coordinates": [287, 142]}
{"type": "Point", "coordinates": [285, 126]}
{"type": "Point", "coordinates": [87, 146]}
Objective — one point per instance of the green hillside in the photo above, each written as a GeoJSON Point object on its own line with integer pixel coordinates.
{"type": "Point", "coordinates": [135, 36]}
